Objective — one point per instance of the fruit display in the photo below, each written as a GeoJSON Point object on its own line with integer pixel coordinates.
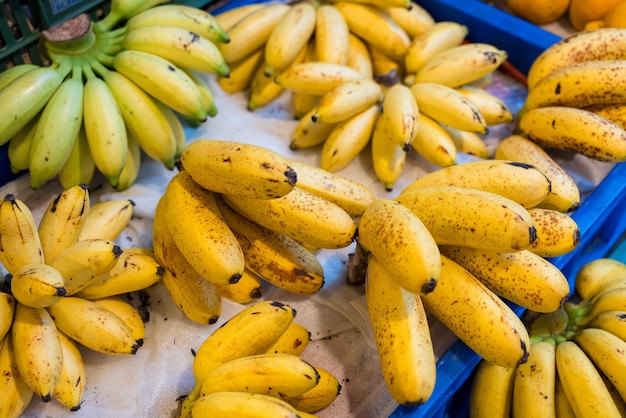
{"type": "Point", "coordinates": [114, 89]}
{"type": "Point", "coordinates": [62, 291]}
{"type": "Point", "coordinates": [575, 359]}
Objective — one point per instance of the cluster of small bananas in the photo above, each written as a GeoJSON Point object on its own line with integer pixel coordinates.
{"type": "Point", "coordinates": [63, 286]}
{"type": "Point", "coordinates": [379, 70]}
{"type": "Point", "coordinates": [577, 358]}
{"type": "Point", "coordinates": [576, 97]}
{"type": "Point", "coordinates": [237, 215]}
{"type": "Point", "coordinates": [266, 374]}
{"type": "Point", "coordinates": [111, 91]}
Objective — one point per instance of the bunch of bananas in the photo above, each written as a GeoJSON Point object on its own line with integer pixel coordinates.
{"type": "Point", "coordinates": [111, 92]}
{"type": "Point", "coordinates": [266, 374]}
{"type": "Point", "coordinates": [458, 243]}
{"type": "Point", "coordinates": [577, 358]}
{"type": "Point", "coordinates": [576, 96]}
{"type": "Point", "coordinates": [238, 215]}
{"type": "Point", "coordinates": [374, 70]}
{"type": "Point", "coordinates": [65, 277]}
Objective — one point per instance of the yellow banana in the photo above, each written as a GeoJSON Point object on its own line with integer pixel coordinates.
{"type": "Point", "coordinates": [462, 65]}
{"type": "Point", "coordinates": [241, 73]}
{"type": "Point", "coordinates": [308, 134]}
{"type": "Point", "coordinates": [107, 219]}
{"type": "Point", "coordinates": [331, 35]}
{"type": "Point", "coordinates": [347, 139]}
{"type": "Point", "coordinates": [263, 90]}
{"type": "Point", "coordinates": [582, 383]}
{"type": "Point", "coordinates": [578, 130]}
{"type": "Point", "coordinates": [610, 321]}
{"type": "Point", "coordinates": [611, 299]}
{"type": "Point", "coordinates": [474, 218]}
{"type": "Point", "coordinates": [557, 233]}
{"type": "Point", "coordinates": [301, 215]}
{"type": "Point", "coordinates": [127, 313]}
{"type": "Point", "coordinates": [491, 391]}
{"type": "Point", "coordinates": [37, 348]}
{"type": "Point", "coordinates": [315, 77]}
{"type": "Point", "coordinates": [71, 384]}
{"type": "Point", "coordinates": [385, 3]}
{"type": "Point", "coordinates": [616, 113]}
{"type": "Point", "coordinates": [13, 72]}
{"type": "Point", "coordinates": [521, 277]}
{"type": "Point", "coordinates": [19, 239]}
{"type": "Point", "coordinates": [208, 101]}
{"type": "Point", "coordinates": [493, 109]}
{"type": "Point", "coordinates": [38, 285]}
{"type": "Point", "coordinates": [293, 341]}
{"type": "Point", "coordinates": [93, 326]}
{"type": "Point", "coordinates": [562, 406]}
{"type": "Point", "coordinates": [63, 219]}
{"type": "Point", "coordinates": [401, 111]}
{"type": "Point", "coordinates": [318, 398]}
{"type": "Point", "coordinates": [388, 71]}
{"type": "Point", "coordinates": [520, 182]}
{"type": "Point", "coordinates": [388, 156]}
{"type": "Point", "coordinates": [477, 316]}
{"type": "Point", "coordinates": [468, 142]}
{"type": "Point", "coordinates": [246, 290]}
{"type": "Point", "coordinates": [238, 169]}
{"type": "Point", "coordinates": [534, 384]}
{"type": "Point", "coordinates": [80, 166]}
{"type": "Point", "coordinates": [16, 395]}
{"type": "Point", "coordinates": [303, 103]}
{"type": "Point", "coordinates": [402, 244]}
{"type": "Point", "coordinates": [230, 17]}
{"type": "Point", "coordinates": [350, 195]}
{"type": "Point", "coordinates": [7, 310]}
{"type": "Point", "coordinates": [434, 143]}
{"type": "Point", "coordinates": [347, 100]}
{"type": "Point", "coordinates": [18, 150]}
{"type": "Point", "coordinates": [243, 405]}
{"type": "Point", "coordinates": [130, 172]}
{"type": "Point", "coordinates": [414, 19]}
{"type": "Point", "coordinates": [359, 58]}
{"type": "Point", "coordinates": [597, 273]}
{"type": "Point", "coordinates": [375, 27]}
{"type": "Point", "coordinates": [437, 38]}
{"type": "Point", "coordinates": [200, 232]}
{"type": "Point", "coordinates": [564, 195]}
{"type": "Point", "coordinates": [402, 335]}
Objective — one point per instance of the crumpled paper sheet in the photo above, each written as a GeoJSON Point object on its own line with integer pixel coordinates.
{"type": "Point", "coordinates": [146, 385]}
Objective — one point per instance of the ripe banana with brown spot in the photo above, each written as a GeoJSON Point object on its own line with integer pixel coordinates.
{"type": "Point", "coordinates": [321, 396]}
{"type": "Point", "coordinates": [7, 310]}
{"type": "Point", "coordinates": [127, 313]}
{"type": "Point", "coordinates": [557, 233]}
{"type": "Point", "coordinates": [107, 219]}
{"type": "Point", "coordinates": [243, 405]}
{"type": "Point", "coordinates": [315, 77]}
{"type": "Point", "coordinates": [468, 142]}
{"type": "Point", "coordinates": [493, 109]}
{"type": "Point", "coordinates": [246, 290]}
{"type": "Point", "coordinates": [19, 238]}
{"type": "Point", "coordinates": [331, 35]}
{"type": "Point", "coordinates": [610, 321]}
{"type": "Point", "coordinates": [347, 100]}
{"type": "Point", "coordinates": [388, 156]}
{"type": "Point", "coordinates": [436, 38]}
{"type": "Point", "coordinates": [38, 285]}
{"type": "Point", "coordinates": [16, 395]}
{"type": "Point", "coordinates": [401, 110]}
{"type": "Point", "coordinates": [293, 341]}
{"type": "Point", "coordinates": [491, 391]}
{"type": "Point", "coordinates": [534, 383]}
{"type": "Point", "coordinates": [71, 385]}
{"type": "Point", "coordinates": [434, 143]}
{"type": "Point", "coordinates": [595, 274]}
{"type": "Point", "coordinates": [413, 19]}
{"type": "Point", "coordinates": [308, 134]}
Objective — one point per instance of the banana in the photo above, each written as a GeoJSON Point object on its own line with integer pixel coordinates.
{"type": "Point", "coordinates": [19, 239]}
{"type": "Point", "coordinates": [294, 341]}
{"type": "Point", "coordinates": [462, 65]}
{"type": "Point", "coordinates": [347, 139]}
{"type": "Point", "coordinates": [611, 299]}
{"type": "Point", "coordinates": [347, 100]}
{"type": "Point", "coordinates": [12, 73]}
{"type": "Point", "coordinates": [491, 391]}
{"type": "Point", "coordinates": [388, 156]}
{"type": "Point", "coordinates": [331, 35]}
{"type": "Point", "coordinates": [107, 219]}
{"type": "Point", "coordinates": [25, 97]}
{"type": "Point", "coordinates": [474, 218]}
{"type": "Point", "coordinates": [610, 321]}
{"type": "Point", "coordinates": [62, 221]}
{"type": "Point", "coordinates": [534, 383]}
{"type": "Point", "coordinates": [162, 80]}
{"type": "Point", "coordinates": [520, 182]}
{"type": "Point", "coordinates": [350, 195]}
{"type": "Point", "coordinates": [71, 384]}
{"type": "Point", "coordinates": [564, 195]}
{"type": "Point", "coordinates": [446, 105]}
{"type": "Point", "coordinates": [437, 38]}
{"type": "Point", "coordinates": [616, 113]}
{"type": "Point", "coordinates": [261, 23]}
{"type": "Point", "coordinates": [468, 142]}
{"type": "Point", "coordinates": [193, 219]}
{"type": "Point", "coordinates": [557, 233]}
{"type": "Point", "coordinates": [434, 143]}
{"type": "Point", "coordinates": [105, 129]}
{"type": "Point", "coordinates": [315, 77]}
{"type": "Point", "coordinates": [401, 111]}
{"type": "Point", "coordinates": [477, 316]}
{"type": "Point", "coordinates": [402, 244]}
{"type": "Point", "coordinates": [246, 290]}
{"type": "Point", "coordinates": [93, 326]}
{"type": "Point", "coordinates": [130, 172]}
{"type": "Point", "coordinates": [522, 277]}
{"type": "Point", "coordinates": [56, 131]}
{"type": "Point", "coordinates": [241, 73]}
{"type": "Point", "coordinates": [562, 406]}
{"type": "Point", "coordinates": [193, 19]}
{"type": "Point", "coordinates": [208, 101]}
{"type": "Point", "coordinates": [197, 298]}
{"type": "Point", "coordinates": [16, 395]}
{"type": "Point", "coordinates": [277, 375]}
{"type": "Point", "coordinates": [308, 134]}
{"type": "Point", "coordinates": [37, 348]}
{"type": "Point", "coordinates": [18, 150]}
{"type": "Point", "coordinates": [602, 44]}
{"type": "Point", "coordinates": [38, 285]}
{"type": "Point", "coordinates": [375, 27]}
{"type": "Point", "coordinates": [7, 310]}
{"type": "Point", "coordinates": [122, 10]}
{"type": "Point", "coordinates": [582, 383]}
{"type": "Point", "coordinates": [388, 71]}
{"type": "Point", "coordinates": [301, 215]}
{"type": "Point", "coordinates": [318, 398]}
{"type": "Point", "coordinates": [402, 335]}
{"type": "Point", "coordinates": [133, 271]}
{"type": "Point", "coordinates": [263, 90]}
{"type": "Point", "coordinates": [243, 405]}
{"type": "Point", "coordinates": [127, 313]}
{"type": "Point", "coordinates": [578, 130]}
{"type": "Point", "coordinates": [238, 169]}
{"type": "Point", "coordinates": [493, 109]}
{"type": "Point", "coordinates": [406, 4]}
{"type": "Point", "coordinates": [83, 262]}
{"type": "Point", "coordinates": [80, 166]}
{"type": "Point", "coordinates": [414, 19]}
{"type": "Point", "coordinates": [359, 58]}
{"type": "Point", "coordinates": [595, 274]}
{"type": "Point", "coordinates": [303, 103]}
{"type": "Point", "coordinates": [275, 257]}
{"type": "Point", "coordinates": [230, 17]}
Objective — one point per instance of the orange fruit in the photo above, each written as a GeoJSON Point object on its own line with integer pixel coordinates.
{"type": "Point", "coordinates": [539, 12]}
{"type": "Point", "coordinates": [583, 11]}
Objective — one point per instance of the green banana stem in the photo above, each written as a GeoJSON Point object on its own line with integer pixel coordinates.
{"type": "Point", "coordinates": [100, 69]}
